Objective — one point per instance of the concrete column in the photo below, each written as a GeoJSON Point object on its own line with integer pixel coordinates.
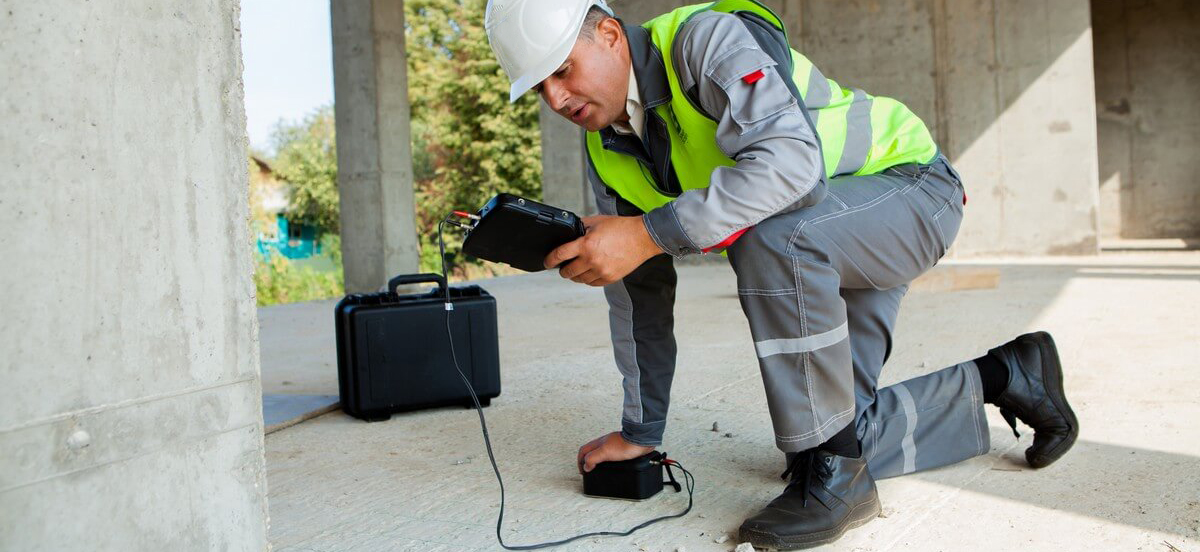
{"type": "Point", "coordinates": [563, 182]}
{"type": "Point", "coordinates": [375, 179]}
{"type": "Point", "coordinates": [130, 410]}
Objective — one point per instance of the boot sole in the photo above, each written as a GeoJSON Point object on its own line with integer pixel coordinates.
{"type": "Point", "coordinates": [859, 516]}
{"type": "Point", "coordinates": [1052, 378]}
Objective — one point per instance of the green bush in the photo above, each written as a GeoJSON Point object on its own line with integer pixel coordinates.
{"type": "Point", "coordinates": [469, 143]}
{"type": "Point", "coordinates": [306, 158]}
{"type": "Point", "coordinates": [279, 280]}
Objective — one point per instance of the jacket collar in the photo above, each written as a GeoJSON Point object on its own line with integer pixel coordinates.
{"type": "Point", "coordinates": [648, 66]}
{"type": "Point", "coordinates": [651, 75]}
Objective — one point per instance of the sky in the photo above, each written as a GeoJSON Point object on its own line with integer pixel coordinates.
{"type": "Point", "coordinates": [288, 57]}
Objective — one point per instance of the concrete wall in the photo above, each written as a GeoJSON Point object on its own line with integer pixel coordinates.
{"type": "Point", "coordinates": [1147, 93]}
{"type": "Point", "coordinates": [375, 179]}
{"type": "Point", "coordinates": [130, 414]}
{"type": "Point", "coordinates": [1005, 85]}
{"type": "Point", "coordinates": [1019, 120]}
{"type": "Point", "coordinates": [563, 178]}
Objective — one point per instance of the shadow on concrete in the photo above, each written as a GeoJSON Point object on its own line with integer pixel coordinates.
{"type": "Point", "coordinates": [1148, 489]}
{"type": "Point", "coordinates": [283, 411]}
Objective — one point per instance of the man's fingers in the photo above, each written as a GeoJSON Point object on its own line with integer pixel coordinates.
{"type": "Point", "coordinates": [585, 449]}
{"type": "Point", "coordinates": [587, 277]}
{"type": "Point", "coordinates": [592, 220]}
{"type": "Point", "coordinates": [573, 269]}
{"type": "Point", "coordinates": [564, 252]}
{"type": "Point", "coordinates": [595, 457]}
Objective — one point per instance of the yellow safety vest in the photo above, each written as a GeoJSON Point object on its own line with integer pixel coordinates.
{"type": "Point", "coordinates": [859, 133]}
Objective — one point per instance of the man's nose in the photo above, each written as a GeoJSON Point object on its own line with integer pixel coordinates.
{"type": "Point", "coordinates": [555, 96]}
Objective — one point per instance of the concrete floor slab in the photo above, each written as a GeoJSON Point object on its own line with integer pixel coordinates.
{"type": "Point", "coordinates": [1128, 329]}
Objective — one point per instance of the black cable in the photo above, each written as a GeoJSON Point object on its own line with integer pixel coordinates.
{"type": "Point", "coordinates": [487, 441]}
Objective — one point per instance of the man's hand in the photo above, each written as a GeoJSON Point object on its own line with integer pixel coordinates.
{"type": "Point", "coordinates": [612, 248]}
{"type": "Point", "coordinates": [609, 448]}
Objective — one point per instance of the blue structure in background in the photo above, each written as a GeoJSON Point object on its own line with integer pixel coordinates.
{"type": "Point", "coordinates": [293, 240]}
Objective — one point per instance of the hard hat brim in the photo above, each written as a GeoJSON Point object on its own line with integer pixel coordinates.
{"type": "Point", "coordinates": [539, 73]}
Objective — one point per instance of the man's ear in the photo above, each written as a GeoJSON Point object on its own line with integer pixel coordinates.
{"type": "Point", "coordinates": [609, 32]}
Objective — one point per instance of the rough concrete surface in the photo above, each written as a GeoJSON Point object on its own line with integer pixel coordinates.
{"type": "Point", "coordinates": [130, 413]}
{"type": "Point", "coordinates": [1127, 329]}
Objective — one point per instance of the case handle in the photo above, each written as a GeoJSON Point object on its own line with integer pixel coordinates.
{"type": "Point", "coordinates": [405, 279]}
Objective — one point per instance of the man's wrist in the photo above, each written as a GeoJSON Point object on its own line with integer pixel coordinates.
{"type": "Point", "coordinates": [667, 232]}
{"type": "Point", "coordinates": [644, 435]}
{"type": "Point", "coordinates": [628, 443]}
{"type": "Point", "coordinates": [649, 247]}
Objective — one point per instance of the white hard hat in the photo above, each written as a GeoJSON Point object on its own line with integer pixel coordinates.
{"type": "Point", "coordinates": [531, 38]}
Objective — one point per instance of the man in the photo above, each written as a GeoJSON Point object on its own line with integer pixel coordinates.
{"type": "Point", "coordinates": [706, 132]}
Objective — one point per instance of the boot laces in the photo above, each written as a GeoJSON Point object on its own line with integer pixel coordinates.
{"type": "Point", "coordinates": [808, 463]}
{"type": "Point", "coordinates": [1011, 418]}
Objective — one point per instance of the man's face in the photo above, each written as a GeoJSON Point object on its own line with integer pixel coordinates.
{"type": "Point", "coordinates": [591, 86]}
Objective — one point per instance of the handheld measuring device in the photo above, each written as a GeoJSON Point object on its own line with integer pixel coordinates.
{"type": "Point", "coordinates": [519, 232]}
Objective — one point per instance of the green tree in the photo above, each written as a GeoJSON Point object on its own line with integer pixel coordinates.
{"type": "Point", "coordinates": [469, 142]}
{"type": "Point", "coordinates": [306, 164]}
{"type": "Point", "coordinates": [306, 159]}
{"type": "Point", "coordinates": [279, 281]}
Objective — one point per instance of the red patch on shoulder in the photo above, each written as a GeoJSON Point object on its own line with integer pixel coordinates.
{"type": "Point", "coordinates": [754, 77]}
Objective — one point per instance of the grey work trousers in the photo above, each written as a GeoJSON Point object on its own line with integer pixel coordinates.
{"type": "Point", "coordinates": [821, 287]}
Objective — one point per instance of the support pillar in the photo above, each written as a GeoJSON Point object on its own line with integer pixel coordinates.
{"type": "Point", "coordinates": [375, 179]}
{"type": "Point", "coordinates": [131, 404]}
{"type": "Point", "coordinates": [564, 184]}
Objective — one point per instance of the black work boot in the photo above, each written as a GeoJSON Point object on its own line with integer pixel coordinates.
{"type": "Point", "coordinates": [1035, 396]}
{"type": "Point", "coordinates": [828, 494]}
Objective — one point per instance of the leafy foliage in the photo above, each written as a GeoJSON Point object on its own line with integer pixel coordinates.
{"type": "Point", "coordinates": [279, 280]}
{"type": "Point", "coordinates": [306, 158]}
{"type": "Point", "coordinates": [469, 143]}
{"type": "Point", "coordinates": [262, 185]}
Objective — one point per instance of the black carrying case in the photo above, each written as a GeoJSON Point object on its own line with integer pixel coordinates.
{"type": "Point", "coordinates": [393, 353]}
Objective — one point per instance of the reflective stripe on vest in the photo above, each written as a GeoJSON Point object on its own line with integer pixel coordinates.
{"type": "Point", "coordinates": [860, 134]}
